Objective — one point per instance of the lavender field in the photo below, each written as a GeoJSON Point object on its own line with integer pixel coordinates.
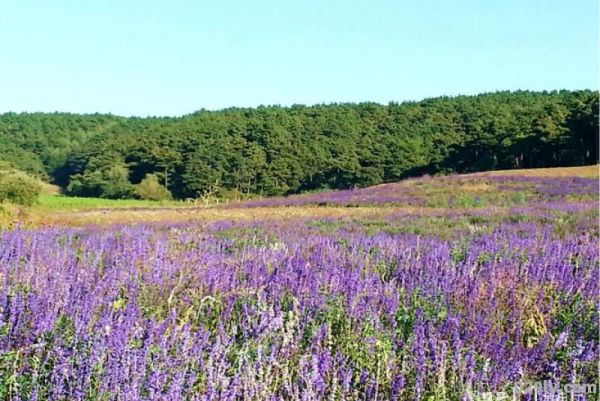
{"type": "Point", "coordinates": [443, 289]}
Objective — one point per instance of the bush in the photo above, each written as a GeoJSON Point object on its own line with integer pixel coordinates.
{"type": "Point", "coordinates": [19, 188]}
{"type": "Point", "coordinates": [151, 189]}
{"type": "Point", "coordinates": [111, 183]}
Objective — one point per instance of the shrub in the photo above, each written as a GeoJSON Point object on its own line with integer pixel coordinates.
{"type": "Point", "coordinates": [111, 183]}
{"type": "Point", "coordinates": [19, 188]}
{"type": "Point", "coordinates": [151, 189]}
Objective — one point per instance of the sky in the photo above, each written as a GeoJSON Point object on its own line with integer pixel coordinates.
{"type": "Point", "coordinates": [159, 57]}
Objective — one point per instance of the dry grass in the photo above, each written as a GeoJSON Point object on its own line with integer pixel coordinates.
{"type": "Point", "coordinates": [51, 189]}
{"type": "Point", "coordinates": [202, 214]}
{"type": "Point", "coordinates": [580, 171]}
{"type": "Point", "coordinates": [478, 187]}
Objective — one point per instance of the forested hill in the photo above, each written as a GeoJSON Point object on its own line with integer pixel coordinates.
{"type": "Point", "coordinates": [280, 150]}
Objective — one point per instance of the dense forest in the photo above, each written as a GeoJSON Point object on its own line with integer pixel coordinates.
{"type": "Point", "coordinates": [281, 150]}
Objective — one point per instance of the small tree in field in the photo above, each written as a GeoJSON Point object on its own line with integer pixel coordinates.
{"type": "Point", "coordinates": [19, 188]}
{"type": "Point", "coordinates": [111, 182]}
{"type": "Point", "coordinates": [151, 189]}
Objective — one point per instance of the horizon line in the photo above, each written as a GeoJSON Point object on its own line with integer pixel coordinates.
{"type": "Point", "coordinates": [299, 105]}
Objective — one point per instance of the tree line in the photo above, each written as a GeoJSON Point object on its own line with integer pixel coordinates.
{"type": "Point", "coordinates": [281, 150]}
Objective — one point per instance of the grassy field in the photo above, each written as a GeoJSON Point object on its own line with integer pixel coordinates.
{"type": "Point", "coordinates": [421, 196]}
{"type": "Point", "coordinates": [52, 200]}
{"type": "Point", "coordinates": [53, 208]}
{"type": "Point", "coordinates": [59, 202]}
{"type": "Point", "coordinates": [435, 195]}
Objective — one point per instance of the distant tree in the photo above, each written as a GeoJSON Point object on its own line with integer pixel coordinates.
{"type": "Point", "coordinates": [111, 183]}
{"type": "Point", "coordinates": [116, 183]}
{"type": "Point", "coordinates": [581, 141]}
{"type": "Point", "coordinates": [151, 189]}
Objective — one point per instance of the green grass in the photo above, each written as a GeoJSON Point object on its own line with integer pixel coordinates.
{"type": "Point", "coordinates": [57, 202]}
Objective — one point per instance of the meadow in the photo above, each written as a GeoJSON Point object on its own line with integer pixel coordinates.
{"type": "Point", "coordinates": [436, 288]}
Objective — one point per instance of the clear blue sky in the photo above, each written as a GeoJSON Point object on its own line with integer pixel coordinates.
{"type": "Point", "coordinates": [172, 57]}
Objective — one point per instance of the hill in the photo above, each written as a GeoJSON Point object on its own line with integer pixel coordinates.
{"type": "Point", "coordinates": [270, 151]}
{"type": "Point", "coordinates": [579, 171]}
{"type": "Point", "coordinates": [535, 192]}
